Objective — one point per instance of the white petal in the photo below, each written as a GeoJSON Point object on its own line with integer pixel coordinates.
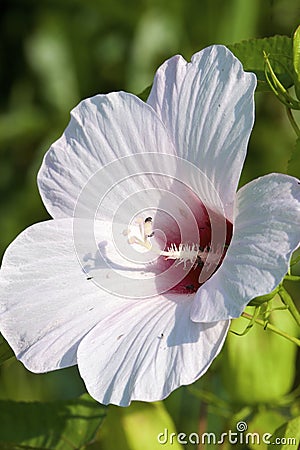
{"type": "Point", "coordinates": [47, 303]}
{"type": "Point", "coordinates": [147, 350]}
{"type": "Point", "coordinates": [266, 232]}
{"type": "Point", "coordinates": [208, 108]}
{"type": "Point", "coordinates": [167, 186]}
{"type": "Point", "coordinates": [102, 129]}
{"type": "Point", "coordinates": [114, 161]}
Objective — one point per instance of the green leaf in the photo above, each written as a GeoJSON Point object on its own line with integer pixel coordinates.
{"type": "Point", "coordinates": [259, 367]}
{"type": "Point", "coordinates": [280, 52]}
{"type": "Point", "coordinates": [138, 427]}
{"type": "Point", "coordinates": [54, 425]}
{"type": "Point", "coordinates": [293, 167]}
{"type": "Point", "coordinates": [295, 258]}
{"type": "Point", "coordinates": [296, 60]}
{"type": "Point", "coordinates": [288, 436]}
{"type": "Point", "coordinates": [5, 350]}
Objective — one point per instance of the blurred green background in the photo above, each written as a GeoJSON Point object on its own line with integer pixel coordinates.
{"type": "Point", "coordinates": [55, 53]}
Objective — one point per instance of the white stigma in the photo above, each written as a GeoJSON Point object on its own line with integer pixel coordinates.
{"type": "Point", "coordinates": [193, 254]}
{"type": "Point", "coordinates": [183, 254]}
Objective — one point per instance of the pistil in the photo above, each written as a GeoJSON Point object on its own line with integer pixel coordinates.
{"type": "Point", "coordinates": [182, 254]}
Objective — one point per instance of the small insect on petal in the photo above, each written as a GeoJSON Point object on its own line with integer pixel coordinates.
{"type": "Point", "coordinates": [190, 288]}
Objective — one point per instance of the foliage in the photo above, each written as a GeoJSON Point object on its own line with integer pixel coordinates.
{"type": "Point", "coordinates": [58, 425]}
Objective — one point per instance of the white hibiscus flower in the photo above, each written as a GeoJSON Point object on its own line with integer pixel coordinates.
{"type": "Point", "coordinates": [151, 251]}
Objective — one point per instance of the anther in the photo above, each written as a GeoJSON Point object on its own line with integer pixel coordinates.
{"type": "Point", "coordinates": [148, 227]}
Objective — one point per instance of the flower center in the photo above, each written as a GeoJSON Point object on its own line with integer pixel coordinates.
{"type": "Point", "coordinates": [191, 257]}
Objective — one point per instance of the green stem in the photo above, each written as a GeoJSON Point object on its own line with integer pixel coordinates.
{"type": "Point", "coordinates": [272, 328]}
{"type": "Point", "coordinates": [278, 89]}
{"type": "Point", "coordinates": [292, 121]}
{"type": "Point", "coordinates": [292, 278]}
{"type": "Point", "coordinates": [287, 300]}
